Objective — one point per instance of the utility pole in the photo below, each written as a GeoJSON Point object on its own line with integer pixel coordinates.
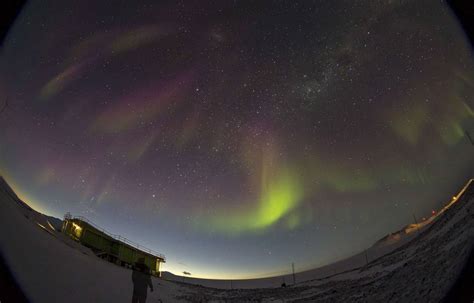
{"type": "Point", "coordinates": [293, 268]}
{"type": "Point", "coordinates": [416, 222]}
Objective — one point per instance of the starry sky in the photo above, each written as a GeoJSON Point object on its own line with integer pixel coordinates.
{"type": "Point", "coordinates": [236, 137]}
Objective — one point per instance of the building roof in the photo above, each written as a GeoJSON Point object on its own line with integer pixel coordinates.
{"type": "Point", "coordinates": [122, 239]}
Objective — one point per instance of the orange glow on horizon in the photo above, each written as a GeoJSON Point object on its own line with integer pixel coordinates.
{"type": "Point", "coordinates": [26, 197]}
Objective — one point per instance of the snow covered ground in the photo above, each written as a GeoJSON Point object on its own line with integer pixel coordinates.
{"type": "Point", "coordinates": [354, 262]}
{"type": "Point", "coordinates": [421, 268]}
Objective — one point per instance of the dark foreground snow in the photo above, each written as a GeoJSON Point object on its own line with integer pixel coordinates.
{"type": "Point", "coordinates": [52, 268]}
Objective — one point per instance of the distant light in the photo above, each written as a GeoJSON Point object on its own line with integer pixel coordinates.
{"type": "Point", "coordinates": [77, 230]}
{"type": "Point", "coordinates": [41, 225]}
{"type": "Point", "coordinates": [51, 226]}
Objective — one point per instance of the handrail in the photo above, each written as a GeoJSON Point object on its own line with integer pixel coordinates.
{"type": "Point", "coordinates": [122, 239]}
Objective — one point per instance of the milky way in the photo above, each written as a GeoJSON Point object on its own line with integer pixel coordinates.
{"type": "Point", "coordinates": [238, 137]}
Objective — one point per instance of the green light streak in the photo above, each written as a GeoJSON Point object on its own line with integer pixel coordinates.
{"type": "Point", "coordinates": [277, 200]}
{"type": "Point", "coordinates": [410, 125]}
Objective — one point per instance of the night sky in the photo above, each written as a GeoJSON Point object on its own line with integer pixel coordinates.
{"type": "Point", "coordinates": [236, 137]}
